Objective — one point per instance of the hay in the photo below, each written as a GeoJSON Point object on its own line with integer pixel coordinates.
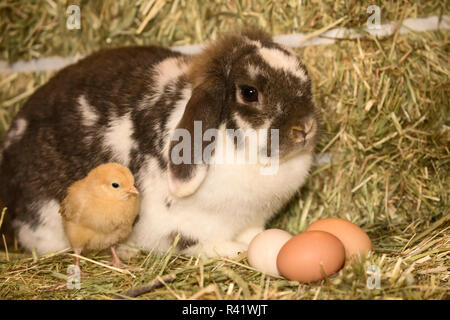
{"type": "Point", "coordinates": [386, 125]}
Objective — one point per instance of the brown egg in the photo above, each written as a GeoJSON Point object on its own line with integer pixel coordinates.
{"type": "Point", "coordinates": [307, 256]}
{"type": "Point", "coordinates": [354, 239]}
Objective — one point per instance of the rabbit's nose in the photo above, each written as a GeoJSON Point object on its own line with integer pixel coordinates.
{"type": "Point", "coordinates": [302, 133]}
{"type": "Point", "coordinates": [298, 134]}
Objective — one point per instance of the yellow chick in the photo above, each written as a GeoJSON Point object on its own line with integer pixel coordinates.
{"type": "Point", "coordinates": [100, 209]}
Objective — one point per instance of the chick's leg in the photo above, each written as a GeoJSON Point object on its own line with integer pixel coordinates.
{"type": "Point", "coordinates": [77, 259]}
{"type": "Point", "coordinates": [116, 261]}
{"type": "Point", "coordinates": [77, 268]}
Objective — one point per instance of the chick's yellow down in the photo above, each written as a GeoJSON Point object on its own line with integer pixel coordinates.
{"type": "Point", "coordinates": [100, 209]}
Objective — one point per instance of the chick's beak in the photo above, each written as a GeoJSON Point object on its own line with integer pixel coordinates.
{"type": "Point", "coordinates": [133, 190]}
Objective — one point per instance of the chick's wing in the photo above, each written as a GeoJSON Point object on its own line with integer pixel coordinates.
{"type": "Point", "coordinates": [72, 204]}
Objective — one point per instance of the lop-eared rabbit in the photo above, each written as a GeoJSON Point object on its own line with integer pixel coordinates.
{"type": "Point", "coordinates": [133, 106]}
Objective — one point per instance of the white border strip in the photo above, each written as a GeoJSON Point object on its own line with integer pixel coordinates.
{"type": "Point", "coordinates": [289, 40]}
{"type": "Point", "coordinates": [409, 25]}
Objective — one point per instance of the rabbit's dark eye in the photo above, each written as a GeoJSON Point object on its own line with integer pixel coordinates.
{"type": "Point", "coordinates": [115, 185]}
{"type": "Point", "coordinates": [249, 94]}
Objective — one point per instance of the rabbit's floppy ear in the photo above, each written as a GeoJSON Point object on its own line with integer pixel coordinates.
{"type": "Point", "coordinates": [209, 75]}
{"type": "Point", "coordinates": [187, 168]}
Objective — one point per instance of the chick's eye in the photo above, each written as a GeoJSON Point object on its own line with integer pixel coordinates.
{"type": "Point", "coordinates": [249, 94]}
{"type": "Point", "coordinates": [115, 185]}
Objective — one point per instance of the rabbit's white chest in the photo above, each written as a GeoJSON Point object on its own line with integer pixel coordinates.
{"type": "Point", "coordinates": [231, 199]}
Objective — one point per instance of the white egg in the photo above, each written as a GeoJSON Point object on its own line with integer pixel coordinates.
{"type": "Point", "coordinates": [263, 250]}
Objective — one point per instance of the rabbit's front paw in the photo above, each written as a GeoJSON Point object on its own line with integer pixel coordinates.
{"type": "Point", "coordinates": [247, 235]}
{"type": "Point", "coordinates": [229, 249]}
